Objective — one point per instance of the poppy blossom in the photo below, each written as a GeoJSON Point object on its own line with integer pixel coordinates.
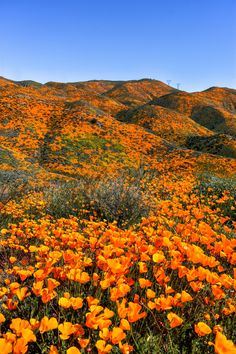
{"type": "Point", "coordinates": [202, 329]}
{"type": "Point", "coordinates": [174, 319]}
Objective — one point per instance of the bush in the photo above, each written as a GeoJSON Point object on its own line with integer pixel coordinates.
{"type": "Point", "coordinates": [113, 199]}
{"type": "Point", "coordinates": [218, 192]}
{"type": "Point", "coordinates": [12, 185]}
{"type": "Point", "coordinates": [64, 199]}
{"type": "Point", "coordinates": [119, 200]}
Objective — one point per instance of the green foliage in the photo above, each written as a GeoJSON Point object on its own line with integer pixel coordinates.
{"type": "Point", "coordinates": [12, 184]}
{"type": "Point", "coordinates": [85, 148]}
{"type": "Point", "coordinates": [212, 189]}
{"type": "Point", "coordinates": [7, 157]}
{"type": "Point", "coordinates": [113, 199]}
{"type": "Point", "coordinates": [64, 199]}
{"type": "Point", "coordinates": [119, 200]}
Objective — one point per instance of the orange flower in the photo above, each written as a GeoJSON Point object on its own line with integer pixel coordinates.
{"type": "Point", "coordinates": [217, 292]}
{"type": "Point", "coordinates": [144, 283]}
{"type": "Point", "coordinates": [202, 329]}
{"type": "Point", "coordinates": [53, 350]}
{"type": "Point", "coordinates": [66, 329]}
{"type": "Point", "coordinates": [77, 275]}
{"type": "Point", "coordinates": [28, 335]}
{"type": "Point", "coordinates": [14, 286]}
{"type": "Point", "coordinates": [150, 294]}
{"type": "Point", "coordinates": [79, 331]}
{"type": "Point", "coordinates": [12, 259]}
{"type": "Point", "coordinates": [24, 274]}
{"type": "Point", "coordinates": [124, 324]}
{"type": "Point", "coordinates": [105, 284]}
{"type": "Point", "coordinates": [64, 302]}
{"type": "Point", "coordinates": [196, 285]}
{"type": "Point", "coordinates": [20, 346]}
{"type": "Point", "coordinates": [224, 345]}
{"type": "Point", "coordinates": [185, 297]}
{"type": "Point", "coordinates": [52, 284]}
{"type": "Point", "coordinates": [104, 323]}
{"type": "Point", "coordinates": [117, 335]}
{"type": "Point", "coordinates": [21, 293]}
{"type": "Point", "coordinates": [17, 325]}
{"type": "Point", "coordinates": [151, 305]}
{"type": "Point", "coordinates": [10, 337]}
{"type": "Point", "coordinates": [40, 274]}
{"type": "Point", "coordinates": [76, 302]}
{"type": "Point", "coordinates": [47, 295]}
{"type": "Point", "coordinates": [121, 308]}
{"type": "Point", "coordinates": [133, 312]}
{"type": "Point", "coordinates": [73, 350]}
{"type": "Point", "coordinates": [119, 291]}
{"type": "Point", "coordinates": [5, 346]}
{"type": "Point", "coordinates": [92, 318]}
{"type": "Point", "coordinates": [37, 287]}
{"type": "Point", "coordinates": [83, 342]}
{"type": "Point", "coordinates": [169, 289]}
{"type": "Point", "coordinates": [217, 328]}
{"type": "Point", "coordinates": [158, 257]}
{"type": "Point", "coordinates": [164, 303]}
{"type": "Point", "coordinates": [102, 347]}
{"type": "Point", "coordinates": [105, 334]}
{"type": "Point", "coordinates": [47, 324]}
{"type": "Point", "coordinates": [10, 304]}
{"type": "Point", "coordinates": [207, 316]}
{"type": "Point", "coordinates": [125, 348]}
{"type": "Point", "coordinates": [174, 319]}
{"type": "Point", "coordinates": [142, 267]}
{"type": "Point", "coordinates": [95, 278]}
{"type": "Point", "coordinates": [2, 318]}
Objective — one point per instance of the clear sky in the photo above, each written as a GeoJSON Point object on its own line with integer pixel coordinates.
{"type": "Point", "coordinates": [192, 42]}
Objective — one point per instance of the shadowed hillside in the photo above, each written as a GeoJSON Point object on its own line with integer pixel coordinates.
{"type": "Point", "coordinates": [213, 108]}
{"type": "Point", "coordinates": [164, 122]}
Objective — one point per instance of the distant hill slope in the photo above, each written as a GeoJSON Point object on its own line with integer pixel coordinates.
{"type": "Point", "coordinates": [100, 126]}
{"type": "Point", "coordinates": [164, 122]}
{"type": "Point", "coordinates": [223, 96]}
{"type": "Point", "coordinates": [213, 108]}
{"type": "Point", "coordinates": [135, 93]}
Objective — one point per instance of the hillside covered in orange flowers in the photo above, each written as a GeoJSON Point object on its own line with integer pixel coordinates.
{"type": "Point", "coordinates": [117, 218]}
{"type": "Point", "coordinates": [71, 127]}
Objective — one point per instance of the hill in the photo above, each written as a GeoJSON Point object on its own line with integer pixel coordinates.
{"type": "Point", "coordinates": [164, 122]}
{"type": "Point", "coordinates": [213, 108]}
{"type": "Point", "coordinates": [135, 93]}
{"type": "Point", "coordinates": [65, 127]}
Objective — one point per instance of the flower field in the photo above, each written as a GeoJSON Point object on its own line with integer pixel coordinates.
{"type": "Point", "coordinates": [80, 284]}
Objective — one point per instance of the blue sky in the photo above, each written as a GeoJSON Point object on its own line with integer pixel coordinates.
{"type": "Point", "coordinates": [192, 42]}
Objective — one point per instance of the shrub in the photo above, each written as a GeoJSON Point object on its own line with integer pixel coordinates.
{"type": "Point", "coordinates": [119, 200]}
{"type": "Point", "coordinates": [12, 184]}
{"type": "Point", "coordinates": [64, 199]}
{"type": "Point", "coordinates": [113, 199]}
{"type": "Point", "coordinates": [219, 193]}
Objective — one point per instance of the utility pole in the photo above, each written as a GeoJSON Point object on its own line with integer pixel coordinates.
{"type": "Point", "coordinates": [168, 82]}
{"type": "Point", "coordinates": [178, 85]}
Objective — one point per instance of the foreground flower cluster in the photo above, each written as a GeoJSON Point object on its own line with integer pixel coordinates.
{"type": "Point", "coordinates": [77, 286]}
